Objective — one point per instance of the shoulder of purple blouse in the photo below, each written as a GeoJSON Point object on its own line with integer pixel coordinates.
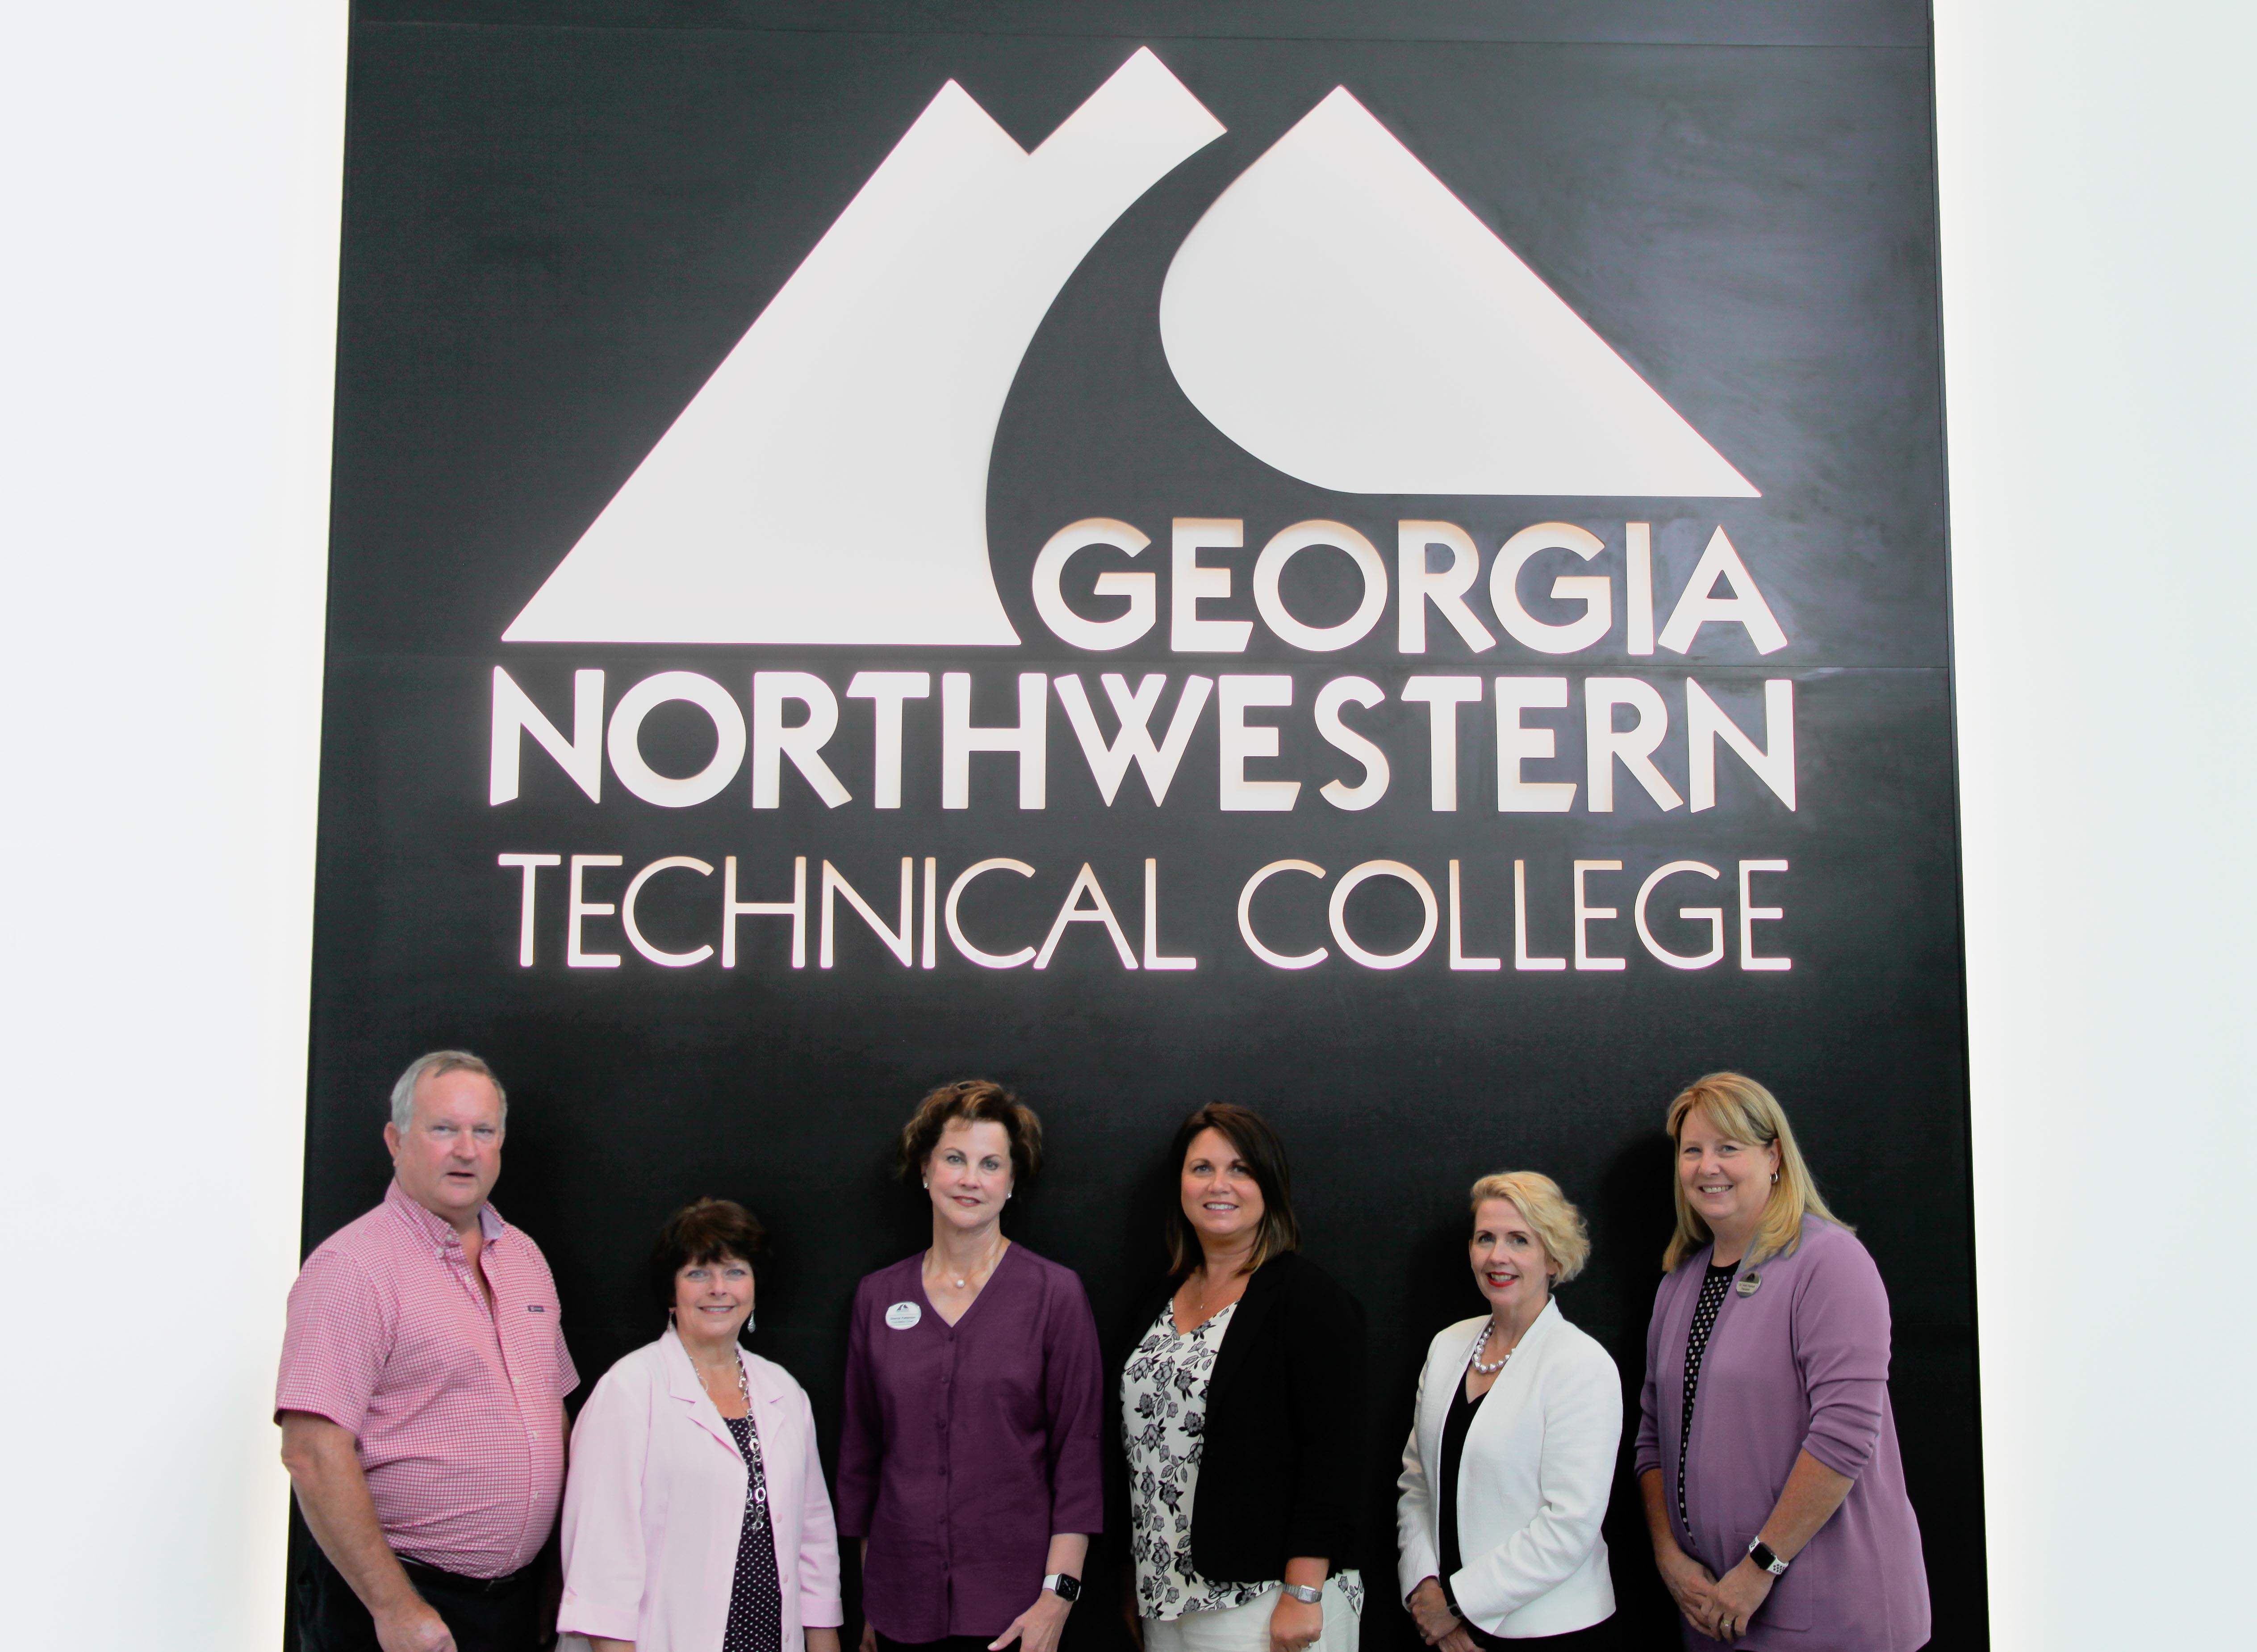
{"type": "Point", "coordinates": [1684, 1277]}
{"type": "Point", "coordinates": [1056, 1276]}
{"type": "Point", "coordinates": [1825, 1237]}
{"type": "Point", "coordinates": [886, 1281]}
{"type": "Point", "coordinates": [1831, 1253]}
{"type": "Point", "coordinates": [1823, 1245]}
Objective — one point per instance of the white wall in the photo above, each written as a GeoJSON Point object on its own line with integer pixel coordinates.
{"type": "Point", "coordinates": [167, 296]}
{"type": "Point", "coordinates": [2099, 241]}
{"type": "Point", "coordinates": [166, 290]}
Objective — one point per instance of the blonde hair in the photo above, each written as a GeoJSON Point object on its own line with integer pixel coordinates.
{"type": "Point", "coordinates": [1745, 1111]}
{"type": "Point", "coordinates": [1559, 1225]}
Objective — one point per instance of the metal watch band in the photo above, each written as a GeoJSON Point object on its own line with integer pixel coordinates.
{"type": "Point", "coordinates": [1306, 1595]}
{"type": "Point", "coordinates": [1066, 1588]}
{"type": "Point", "coordinates": [1760, 1552]}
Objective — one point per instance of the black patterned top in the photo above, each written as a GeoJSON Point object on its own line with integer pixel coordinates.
{"type": "Point", "coordinates": [1163, 1424]}
{"type": "Point", "coordinates": [1163, 1415]}
{"type": "Point", "coordinates": [1704, 1320]}
{"type": "Point", "coordinates": [756, 1597]}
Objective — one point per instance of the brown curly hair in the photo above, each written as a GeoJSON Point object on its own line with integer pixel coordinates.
{"type": "Point", "coordinates": [974, 1101]}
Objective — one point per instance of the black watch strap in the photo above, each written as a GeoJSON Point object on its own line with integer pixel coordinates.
{"type": "Point", "coordinates": [1449, 1597]}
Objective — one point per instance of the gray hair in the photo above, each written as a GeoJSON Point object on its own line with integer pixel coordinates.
{"type": "Point", "coordinates": [438, 1064]}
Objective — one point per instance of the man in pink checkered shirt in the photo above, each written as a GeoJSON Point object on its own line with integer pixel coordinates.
{"type": "Point", "coordinates": [421, 1395]}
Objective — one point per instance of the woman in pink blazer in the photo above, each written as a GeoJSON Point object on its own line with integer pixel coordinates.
{"type": "Point", "coordinates": [696, 1518]}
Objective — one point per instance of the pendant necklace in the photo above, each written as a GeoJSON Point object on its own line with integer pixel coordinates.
{"type": "Point", "coordinates": [993, 1258]}
{"type": "Point", "coordinates": [756, 1488]}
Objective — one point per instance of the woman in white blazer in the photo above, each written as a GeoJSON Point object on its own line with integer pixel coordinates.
{"type": "Point", "coordinates": [696, 1518]}
{"type": "Point", "coordinates": [1512, 1453]}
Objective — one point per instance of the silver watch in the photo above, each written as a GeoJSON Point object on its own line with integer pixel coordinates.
{"type": "Point", "coordinates": [1306, 1595]}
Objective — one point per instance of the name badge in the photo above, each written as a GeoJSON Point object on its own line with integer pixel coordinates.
{"type": "Point", "coordinates": [1750, 1285]}
{"type": "Point", "coordinates": [901, 1315]}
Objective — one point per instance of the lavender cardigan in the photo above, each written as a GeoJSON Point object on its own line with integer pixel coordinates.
{"type": "Point", "coordinates": [1801, 1365]}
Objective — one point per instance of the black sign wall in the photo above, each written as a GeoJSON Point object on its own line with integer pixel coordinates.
{"type": "Point", "coordinates": [833, 591]}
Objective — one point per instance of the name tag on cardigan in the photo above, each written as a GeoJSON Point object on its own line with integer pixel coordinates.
{"type": "Point", "coordinates": [1750, 1285]}
{"type": "Point", "coordinates": [901, 1315]}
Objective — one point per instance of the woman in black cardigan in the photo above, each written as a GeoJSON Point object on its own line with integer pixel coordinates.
{"type": "Point", "coordinates": [1242, 1415]}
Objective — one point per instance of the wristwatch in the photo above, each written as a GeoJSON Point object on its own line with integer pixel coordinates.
{"type": "Point", "coordinates": [1306, 1595]}
{"type": "Point", "coordinates": [1066, 1589]}
{"type": "Point", "coordinates": [1760, 1552]}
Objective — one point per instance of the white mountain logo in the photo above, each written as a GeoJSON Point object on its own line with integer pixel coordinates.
{"type": "Point", "coordinates": [1337, 312]}
{"type": "Point", "coordinates": [1343, 317]}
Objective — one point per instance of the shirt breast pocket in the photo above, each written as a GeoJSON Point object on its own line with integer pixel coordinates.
{"type": "Point", "coordinates": [537, 1336]}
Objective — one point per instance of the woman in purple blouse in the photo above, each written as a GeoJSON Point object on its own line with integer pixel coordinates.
{"type": "Point", "coordinates": [1766, 1448]}
{"type": "Point", "coordinates": [969, 1467]}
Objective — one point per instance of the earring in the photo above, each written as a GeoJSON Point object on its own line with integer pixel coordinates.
{"type": "Point", "coordinates": [926, 1186]}
{"type": "Point", "coordinates": [749, 1318]}
{"type": "Point", "coordinates": [1775, 1179]}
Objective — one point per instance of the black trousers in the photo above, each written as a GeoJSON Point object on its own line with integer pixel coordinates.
{"type": "Point", "coordinates": [503, 1615]}
{"type": "Point", "coordinates": [947, 1643]}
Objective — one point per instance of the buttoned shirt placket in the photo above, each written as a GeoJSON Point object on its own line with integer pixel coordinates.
{"type": "Point", "coordinates": [487, 1301]}
{"type": "Point", "coordinates": [945, 1422]}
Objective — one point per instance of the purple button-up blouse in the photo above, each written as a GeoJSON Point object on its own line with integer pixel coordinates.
{"type": "Point", "coordinates": [966, 1446]}
{"type": "Point", "coordinates": [1800, 1366]}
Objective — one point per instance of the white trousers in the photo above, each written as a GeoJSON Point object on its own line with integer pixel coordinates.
{"type": "Point", "coordinates": [1247, 1628]}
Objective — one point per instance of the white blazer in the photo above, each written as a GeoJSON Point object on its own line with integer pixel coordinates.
{"type": "Point", "coordinates": [656, 1499]}
{"type": "Point", "coordinates": [1532, 1487]}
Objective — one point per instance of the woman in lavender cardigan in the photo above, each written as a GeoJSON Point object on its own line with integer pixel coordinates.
{"type": "Point", "coordinates": [1767, 1449]}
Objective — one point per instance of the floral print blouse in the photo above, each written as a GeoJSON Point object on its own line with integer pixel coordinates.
{"type": "Point", "coordinates": [1162, 1414]}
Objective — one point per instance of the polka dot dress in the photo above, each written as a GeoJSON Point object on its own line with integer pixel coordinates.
{"type": "Point", "coordinates": [756, 1598]}
{"type": "Point", "coordinates": [1704, 1320]}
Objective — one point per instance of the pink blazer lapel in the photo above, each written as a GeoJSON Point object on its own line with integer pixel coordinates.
{"type": "Point", "coordinates": [683, 1386]}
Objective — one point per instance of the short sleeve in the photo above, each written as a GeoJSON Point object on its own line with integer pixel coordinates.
{"type": "Point", "coordinates": [335, 1341]}
{"type": "Point", "coordinates": [862, 1434]}
{"type": "Point", "coordinates": [1073, 1376]}
{"type": "Point", "coordinates": [568, 1374]}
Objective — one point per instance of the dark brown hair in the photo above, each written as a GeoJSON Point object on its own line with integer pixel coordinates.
{"type": "Point", "coordinates": [704, 1231]}
{"type": "Point", "coordinates": [1264, 1154]}
{"type": "Point", "coordinates": [975, 1101]}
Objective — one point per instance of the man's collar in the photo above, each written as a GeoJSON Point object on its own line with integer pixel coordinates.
{"type": "Point", "coordinates": [436, 1228]}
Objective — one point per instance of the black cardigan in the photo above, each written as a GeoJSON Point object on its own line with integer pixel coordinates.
{"type": "Point", "coordinates": [1282, 1440]}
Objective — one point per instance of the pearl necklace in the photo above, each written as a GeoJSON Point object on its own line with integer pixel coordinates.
{"type": "Point", "coordinates": [1475, 1360]}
